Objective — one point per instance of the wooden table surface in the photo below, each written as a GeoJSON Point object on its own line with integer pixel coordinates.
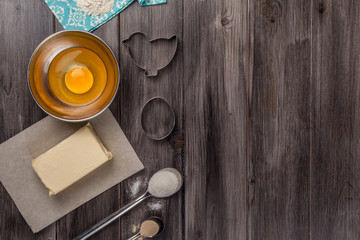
{"type": "Point", "coordinates": [267, 102]}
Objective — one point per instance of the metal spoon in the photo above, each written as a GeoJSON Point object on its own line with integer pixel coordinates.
{"type": "Point", "coordinates": [159, 221]}
{"type": "Point", "coordinates": [111, 218]}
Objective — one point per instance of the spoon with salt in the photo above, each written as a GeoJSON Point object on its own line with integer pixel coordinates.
{"type": "Point", "coordinates": [162, 184]}
{"type": "Point", "coordinates": [150, 228]}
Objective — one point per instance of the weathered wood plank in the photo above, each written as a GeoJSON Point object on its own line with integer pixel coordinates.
{"type": "Point", "coordinates": [23, 26]}
{"type": "Point", "coordinates": [216, 40]}
{"type": "Point", "coordinates": [155, 21]}
{"type": "Point", "coordinates": [100, 207]}
{"type": "Point", "coordinates": [267, 94]}
{"type": "Point", "coordinates": [335, 179]}
{"type": "Point", "coordinates": [279, 120]}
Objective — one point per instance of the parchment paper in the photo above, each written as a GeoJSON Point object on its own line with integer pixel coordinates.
{"type": "Point", "coordinates": [30, 195]}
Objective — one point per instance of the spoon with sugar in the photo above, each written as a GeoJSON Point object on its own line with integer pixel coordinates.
{"type": "Point", "coordinates": [150, 228]}
{"type": "Point", "coordinates": [162, 184]}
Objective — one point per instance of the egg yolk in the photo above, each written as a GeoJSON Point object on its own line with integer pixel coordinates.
{"type": "Point", "coordinates": [79, 80]}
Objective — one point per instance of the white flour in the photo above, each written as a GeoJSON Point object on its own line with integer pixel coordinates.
{"type": "Point", "coordinates": [95, 7]}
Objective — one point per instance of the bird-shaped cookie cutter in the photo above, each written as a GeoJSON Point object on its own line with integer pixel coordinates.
{"type": "Point", "coordinates": [151, 72]}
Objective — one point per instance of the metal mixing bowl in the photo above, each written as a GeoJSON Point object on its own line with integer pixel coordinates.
{"type": "Point", "coordinates": [38, 75]}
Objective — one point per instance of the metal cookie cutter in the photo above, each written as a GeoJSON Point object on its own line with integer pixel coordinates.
{"type": "Point", "coordinates": [157, 118]}
{"type": "Point", "coordinates": [149, 55]}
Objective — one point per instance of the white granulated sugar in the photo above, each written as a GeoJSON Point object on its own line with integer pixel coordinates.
{"type": "Point", "coordinates": [95, 7]}
{"type": "Point", "coordinates": [164, 183]}
{"type": "Point", "coordinates": [155, 206]}
{"type": "Point", "coordinates": [135, 187]}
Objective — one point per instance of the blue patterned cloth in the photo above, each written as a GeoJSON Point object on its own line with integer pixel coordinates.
{"type": "Point", "coordinates": [71, 17]}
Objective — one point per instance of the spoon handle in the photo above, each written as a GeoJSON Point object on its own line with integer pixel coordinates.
{"type": "Point", "coordinates": [106, 221]}
{"type": "Point", "coordinates": [135, 236]}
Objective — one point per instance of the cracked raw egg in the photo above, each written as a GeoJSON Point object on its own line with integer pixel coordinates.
{"type": "Point", "coordinates": [79, 80]}
{"type": "Point", "coordinates": [77, 76]}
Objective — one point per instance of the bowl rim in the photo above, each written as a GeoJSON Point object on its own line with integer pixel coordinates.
{"type": "Point", "coordinates": [41, 44]}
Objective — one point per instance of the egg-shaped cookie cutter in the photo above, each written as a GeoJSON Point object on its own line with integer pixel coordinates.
{"type": "Point", "coordinates": [171, 123]}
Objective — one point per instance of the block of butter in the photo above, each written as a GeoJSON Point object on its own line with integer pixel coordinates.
{"type": "Point", "coordinates": [71, 160]}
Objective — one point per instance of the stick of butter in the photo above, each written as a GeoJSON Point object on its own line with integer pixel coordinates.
{"type": "Point", "coordinates": [71, 160]}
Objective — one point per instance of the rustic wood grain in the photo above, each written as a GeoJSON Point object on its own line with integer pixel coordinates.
{"type": "Point", "coordinates": [279, 120]}
{"type": "Point", "coordinates": [216, 67]}
{"type": "Point", "coordinates": [103, 205]}
{"type": "Point", "coordinates": [335, 179]}
{"type": "Point", "coordinates": [266, 96]}
{"type": "Point", "coordinates": [155, 21]}
{"type": "Point", "coordinates": [22, 27]}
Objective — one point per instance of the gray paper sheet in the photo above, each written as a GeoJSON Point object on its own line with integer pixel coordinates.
{"type": "Point", "coordinates": [30, 195]}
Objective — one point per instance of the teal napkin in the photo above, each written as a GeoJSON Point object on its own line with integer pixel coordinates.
{"type": "Point", "coordinates": [71, 17]}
